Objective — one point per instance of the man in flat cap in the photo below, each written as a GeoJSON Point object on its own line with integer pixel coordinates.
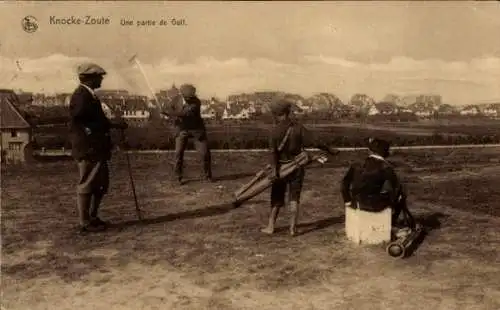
{"type": "Point", "coordinates": [287, 140]}
{"type": "Point", "coordinates": [91, 145]}
{"type": "Point", "coordinates": [185, 108]}
{"type": "Point", "coordinates": [374, 185]}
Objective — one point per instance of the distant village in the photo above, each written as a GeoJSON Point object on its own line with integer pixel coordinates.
{"type": "Point", "coordinates": [17, 126]}
{"type": "Point", "coordinates": [246, 106]}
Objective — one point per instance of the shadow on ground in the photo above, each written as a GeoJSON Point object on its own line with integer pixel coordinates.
{"type": "Point", "coordinates": [70, 258]}
{"type": "Point", "coordinates": [429, 223]}
{"type": "Point", "coordinates": [305, 228]}
{"type": "Point", "coordinates": [432, 221]}
{"type": "Point", "coordinates": [222, 178]}
{"type": "Point", "coordinates": [234, 176]}
{"type": "Point", "coordinates": [213, 210]}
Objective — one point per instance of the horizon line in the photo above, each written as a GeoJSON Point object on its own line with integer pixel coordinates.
{"type": "Point", "coordinates": [480, 102]}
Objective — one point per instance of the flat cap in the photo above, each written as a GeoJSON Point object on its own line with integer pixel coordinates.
{"type": "Point", "coordinates": [281, 107]}
{"type": "Point", "coordinates": [89, 68]}
{"type": "Point", "coordinates": [187, 90]}
{"type": "Point", "coordinates": [379, 146]}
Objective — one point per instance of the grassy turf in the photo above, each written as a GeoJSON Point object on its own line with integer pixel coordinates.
{"type": "Point", "coordinates": [194, 252]}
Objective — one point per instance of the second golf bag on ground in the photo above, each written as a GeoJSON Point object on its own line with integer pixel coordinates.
{"type": "Point", "coordinates": [375, 184]}
{"type": "Point", "coordinates": [263, 179]}
{"type": "Point", "coordinates": [405, 235]}
{"type": "Point", "coordinates": [405, 241]}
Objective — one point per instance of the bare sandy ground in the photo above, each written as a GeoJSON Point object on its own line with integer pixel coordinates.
{"type": "Point", "coordinates": [196, 253]}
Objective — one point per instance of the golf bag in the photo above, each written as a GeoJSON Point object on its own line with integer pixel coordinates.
{"type": "Point", "coordinates": [403, 244]}
{"type": "Point", "coordinates": [405, 238]}
{"type": "Point", "coordinates": [263, 179]}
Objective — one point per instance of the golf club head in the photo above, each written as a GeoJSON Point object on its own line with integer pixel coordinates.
{"type": "Point", "coordinates": [133, 58]}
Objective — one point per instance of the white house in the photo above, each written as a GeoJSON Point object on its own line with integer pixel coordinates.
{"type": "Point", "coordinates": [470, 110]}
{"type": "Point", "coordinates": [207, 111]}
{"type": "Point", "coordinates": [423, 109]}
{"type": "Point", "coordinates": [424, 113]}
{"type": "Point", "coordinates": [304, 106]}
{"type": "Point", "coordinates": [372, 110]}
{"type": "Point", "coordinates": [492, 110]}
{"type": "Point", "coordinates": [136, 111]}
{"type": "Point", "coordinates": [236, 111]}
{"type": "Point", "coordinates": [136, 114]}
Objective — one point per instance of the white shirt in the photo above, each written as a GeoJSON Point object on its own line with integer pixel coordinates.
{"type": "Point", "coordinates": [377, 157]}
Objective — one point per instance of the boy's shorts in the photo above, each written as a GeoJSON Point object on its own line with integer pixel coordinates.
{"type": "Point", "coordinates": [294, 184]}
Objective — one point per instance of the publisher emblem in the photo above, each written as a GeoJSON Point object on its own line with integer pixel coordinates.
{"type": "Point", "coordinates": [30, 24]}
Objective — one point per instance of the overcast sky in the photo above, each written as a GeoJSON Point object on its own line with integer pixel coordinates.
{"type": "Point", "coordinates": [450, 48]}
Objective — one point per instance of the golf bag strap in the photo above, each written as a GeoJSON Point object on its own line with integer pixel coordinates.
{"type": "Point", "coordinates": [408, 217]}
{"type": "Point", "coordinates": [285, 139]}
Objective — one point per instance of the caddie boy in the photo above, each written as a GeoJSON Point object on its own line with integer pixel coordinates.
{"type": "Point", "coordinates": [288, 139]}
{"type": "Point", "coordinates": [91, 145]}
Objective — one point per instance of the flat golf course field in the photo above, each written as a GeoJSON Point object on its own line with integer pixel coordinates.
{"type": "Point", "coordinates": [194, 252]}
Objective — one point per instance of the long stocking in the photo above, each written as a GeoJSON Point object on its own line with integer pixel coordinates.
{"type": "Point", "coordinates": [294, 208]}
{"type": "Point", "coordinates": [96, 202]}
{"type": "Point", "coordinates": [83, 202]}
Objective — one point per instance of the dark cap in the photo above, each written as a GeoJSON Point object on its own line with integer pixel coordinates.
{"type": "Point", "coordinates": [187, 90]}
{"type": "Point", "coordinates": [379, 146]}
{"type": "Point", "coordinates": [281, 107]}
{"type": "Point", "coordinates": [89, 68]}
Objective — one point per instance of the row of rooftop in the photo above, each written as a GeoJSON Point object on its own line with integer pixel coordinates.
{"type": "Point", "coordinates": [16, 131]}
{"type": "Point", "coordinates": [243, 106]}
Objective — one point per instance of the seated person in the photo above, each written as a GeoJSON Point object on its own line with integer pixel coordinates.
{"type": "Point", "coordinates": [373, 185]}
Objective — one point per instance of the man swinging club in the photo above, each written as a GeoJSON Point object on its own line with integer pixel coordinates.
{"type": "Point", "coordinates": [91, 145]}
{"type": "Point", "coordinates": [288, 139]}
{"type": "Point", "coordinates": [186, 110]}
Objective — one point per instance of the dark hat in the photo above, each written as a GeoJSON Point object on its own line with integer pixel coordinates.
{"type": "Point", "coordinates": [187, 90]}
{"type": "Point", "coordinates": [89, 68]}
{"type": "Point", "coordinates": [281, 107]}
{"type": "Point", "coordinates": [379, 146]}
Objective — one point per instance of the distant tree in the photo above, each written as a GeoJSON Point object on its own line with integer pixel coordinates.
{"type": "Point", "coordinates": [362, 104]}
{"type": "Point", "coordinates": [393, 99]}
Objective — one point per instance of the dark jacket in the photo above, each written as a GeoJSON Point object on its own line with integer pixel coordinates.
{"type": "Point", "coordinates": [86, 112]}
{"type": "Point", "coordinates": [374, 184]}
{"type": "Point", "coordinates": [186, 116]}
{"type": "Point", "coordinates": [298, 139]}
